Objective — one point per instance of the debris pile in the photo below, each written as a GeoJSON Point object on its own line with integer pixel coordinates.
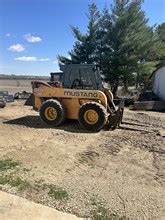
{"type": "Point", "coordinates": [149, 101]}
{"type": "Point", "coordinates": [4, 98]}
{"type": "Point", "coordinates": [22, 95]}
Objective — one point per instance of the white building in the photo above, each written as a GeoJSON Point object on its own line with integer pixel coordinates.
{"type": "Point", "coordinates": [159, 83]}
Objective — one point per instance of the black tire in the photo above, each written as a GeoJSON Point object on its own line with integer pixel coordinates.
{"type": "Point", "coordinates": [58, 108]}
{"type": "Point", "coordinates": [101, 112]}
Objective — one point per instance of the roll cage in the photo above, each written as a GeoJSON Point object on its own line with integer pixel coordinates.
{"type": "Point", "coordinates": [79, 76]}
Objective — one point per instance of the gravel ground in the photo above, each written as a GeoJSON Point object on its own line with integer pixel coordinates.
{"type": "Point", "coordinates": [123, 170]}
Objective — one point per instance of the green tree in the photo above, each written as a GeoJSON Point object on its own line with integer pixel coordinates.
{"type": "Point", "coordinates": [85, 45]}
{"type": "Point", "coordinates": [160, 46]}
{"type": "Point", "coordinates": [121, 41]}
{"type": "Point", "coordinates": [160, 30]}
{"type": "Point", "coordinates": [129, 40]}
{"type": "Point", "coordinates": [155, 56]}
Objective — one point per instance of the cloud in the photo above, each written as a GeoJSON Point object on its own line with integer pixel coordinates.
{"type": "Point", "coordinates": [8, 35]}
{"type": "Point", "coordinates": [28, 59]}
{"type": "Point", "coordinates": [31, 59]}
{"type": "Point", "coordinates": [32, 39]}
{"type": "Point", "coordinates": [55, 62]}
{"type": "Point", "coordinates": [16, 48]}
{"type": "Point", "coordinates": [44, 59]}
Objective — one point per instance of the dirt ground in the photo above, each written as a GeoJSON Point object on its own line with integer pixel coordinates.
{"type": "Point", "coordinates": [123, 170]}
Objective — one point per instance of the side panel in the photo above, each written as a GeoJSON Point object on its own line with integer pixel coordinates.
{"type": "Point", "coordinates": [37, 103]}
{"type": "Point", "coordinates": [71, 98]}
{"type": "Point", "coordinates": [72, 107]}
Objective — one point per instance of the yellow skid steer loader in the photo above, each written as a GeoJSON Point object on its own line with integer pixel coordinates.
{"type": "Point", "coordinates": [79, 95]}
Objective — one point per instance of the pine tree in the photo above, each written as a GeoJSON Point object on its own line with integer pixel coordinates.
{"type": "Point", "coordinates": [84, 48]}
{"type": "Point", "coordinates": [129, 40]}
{"type": "Point", "coordinates": [155, 56]}
{"type": "Point", "coordinates": [160, 46]}
{"type": "Point", "coordinates": [121, 41]}
{"type": "Point", "coordinates": [160, 30]}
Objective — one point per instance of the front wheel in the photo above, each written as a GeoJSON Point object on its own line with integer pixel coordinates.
{"type": "Point", "coordinates": [52, 112]}
{"type": "Point", "coordinates": [92, 116]}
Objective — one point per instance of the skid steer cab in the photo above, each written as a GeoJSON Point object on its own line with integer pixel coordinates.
{"type": "Point", "coordinates": [77, 94]}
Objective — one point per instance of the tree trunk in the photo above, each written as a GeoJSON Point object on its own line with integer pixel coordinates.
{"type": "Point", "coordinates": [137, 81]}
{"type": "Point", "coordinates": [125, 86]}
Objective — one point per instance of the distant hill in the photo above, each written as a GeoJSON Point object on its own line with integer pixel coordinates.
{"type": "Point", "coordinates": [23, 77]}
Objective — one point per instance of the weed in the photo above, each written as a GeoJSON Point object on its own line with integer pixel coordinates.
{"type": "Point", "coordinates": [26, 169]}
{"type": "Point", "coordinates": [20, 184]}
{"type": "Point", "coordinates": [15, 182]}
{"type": "Point", "coordinates": [8, 164]}
{"type": "Point", "coordinates": [57, 192]}
{"type": "Point", "coordinates": [101, 213]}
{"type": "Point", "coordinates": [53, 191]}
{"type": "Point", "coordinates": [40, 186]}
{"type": "Point", "coordinates": [4, 179]}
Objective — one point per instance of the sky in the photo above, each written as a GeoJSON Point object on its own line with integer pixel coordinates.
{"type": "Point", "coordinates": [34, 32]}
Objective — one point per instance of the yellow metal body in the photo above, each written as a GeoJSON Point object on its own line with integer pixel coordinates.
{"type": "Point", "coordinates": [72, 99]}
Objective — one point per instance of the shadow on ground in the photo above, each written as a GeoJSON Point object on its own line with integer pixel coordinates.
{"type": "Point", "coordinates": [34, 121]}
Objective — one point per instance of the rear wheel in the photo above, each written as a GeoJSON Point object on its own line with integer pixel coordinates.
{"type": "Point", "coordinates": [52, 112]}
{"type": "Point", "coordinates": [92, 116]}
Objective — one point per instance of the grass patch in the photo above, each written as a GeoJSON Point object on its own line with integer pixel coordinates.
{"type": "Point", "coordinates": [38, 186]}
{"type": "Point", "coordinates": [22, 185]}
{"type": "Point", "coordinates": [99, 212]}
{"type": "Point", "coordinates": [57, 192]}
{"type": "Point", "coordinates": [4, 179]}
{"type": "Point", "coordinates": [102, 213]}
{"type": "Point", "coordinates": [8, 164]}
{"type": "Point", "coordinates": [15, 182]}
{"type": "Point", "coordinates": [52, 190]}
